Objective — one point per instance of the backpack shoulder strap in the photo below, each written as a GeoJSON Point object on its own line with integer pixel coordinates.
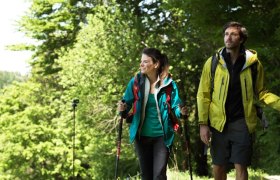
{"type": "Point", "coordinates": [135, 89]}
{"type": "Point", "coordinates": [214, 64]}
{"type": "Point", "coordinates": [168, 91]}
{"type": "Point", "coordinates": [135, 92]}
{"type": "Point", "coordinates": [174, 120]}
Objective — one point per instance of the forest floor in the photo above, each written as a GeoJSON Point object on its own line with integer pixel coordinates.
{"type": "Point", "coordinates": [173, 175]}
{"type": "Point", "coordinates": [272, 177]}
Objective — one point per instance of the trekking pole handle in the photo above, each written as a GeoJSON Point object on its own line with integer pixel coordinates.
{"type": "Point", "coordinates": [122, 112]}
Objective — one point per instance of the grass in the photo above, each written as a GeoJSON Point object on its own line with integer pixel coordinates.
{"type": "Point", "coordinates": [253, 175]}
{"type": "Point", "coordinates": [175, 175]}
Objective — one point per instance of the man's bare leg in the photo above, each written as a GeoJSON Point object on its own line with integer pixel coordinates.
{"type": "Point", "coordinates": [219, 172]}
{"type": "Point", "coordinates": [241, 172]}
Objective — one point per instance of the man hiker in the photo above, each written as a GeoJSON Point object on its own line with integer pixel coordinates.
{"type": "Point", "coordinates": [226, 109]}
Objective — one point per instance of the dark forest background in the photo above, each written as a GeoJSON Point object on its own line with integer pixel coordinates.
{"type": "Point", "coordinates": [89, 49]}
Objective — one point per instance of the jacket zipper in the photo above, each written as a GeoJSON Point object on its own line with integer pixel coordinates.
{"type": "Point", "coordinates": [160, 119]}
{"type": "Point", "coordinates": [224, 95]}
{"type": "Point", "coordinates": [158, 110]}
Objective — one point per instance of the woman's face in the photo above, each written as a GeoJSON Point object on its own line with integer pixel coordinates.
{"type": "Point", "coordinates": [147, 66]}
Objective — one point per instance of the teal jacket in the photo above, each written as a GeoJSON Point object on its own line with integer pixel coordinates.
{"type": "Point", "coordinates": [213, 108]}
{"type": "Point", "coordinates": [160, 96]}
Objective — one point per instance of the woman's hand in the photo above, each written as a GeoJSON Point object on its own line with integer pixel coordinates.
{"type": "Point", "coordinates": [121, 106]}
{"type": "Point", "coordinates": [183, 110]}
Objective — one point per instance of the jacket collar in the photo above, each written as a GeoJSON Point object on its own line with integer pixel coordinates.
{"type": "Point", "coordinates": [250, 56]}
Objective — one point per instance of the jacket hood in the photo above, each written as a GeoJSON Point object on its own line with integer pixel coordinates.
{"type": "Point", "coordinates": [251, 57]}
{"type": "Point", "coordinates": [167, 80]}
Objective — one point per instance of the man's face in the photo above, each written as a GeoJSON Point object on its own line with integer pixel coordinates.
{"type": "Point", "coordinates": [232, 38]}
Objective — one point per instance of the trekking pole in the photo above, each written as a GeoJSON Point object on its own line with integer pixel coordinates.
{"type": "Point", "coordinates": [74, 105]}
{"type": "Point", "coordinates": [119, 143]}
{"type": "Point", "coordinates": [187, 136]}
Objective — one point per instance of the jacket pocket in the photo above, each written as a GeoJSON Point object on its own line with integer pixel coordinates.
{"type": "Point", "coordinates": [246, 89]}
{"type": "Point", "coordinates": [221, 87]}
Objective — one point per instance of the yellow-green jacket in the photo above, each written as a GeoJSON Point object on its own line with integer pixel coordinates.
{"type": "Point", "coordinates": [214, 107]}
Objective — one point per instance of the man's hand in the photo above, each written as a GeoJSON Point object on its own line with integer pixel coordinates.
{"type": "Point", "coordinates": [205, 134]}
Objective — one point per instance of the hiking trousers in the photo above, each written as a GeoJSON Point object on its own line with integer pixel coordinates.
{"type": "Point", "coordinates": [153, 157]}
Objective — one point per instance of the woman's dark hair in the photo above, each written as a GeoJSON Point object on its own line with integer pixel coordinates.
{"type": "Point", "coordinates": [157, 56]}
{"type": "Point", "coordinates": [242, 30]}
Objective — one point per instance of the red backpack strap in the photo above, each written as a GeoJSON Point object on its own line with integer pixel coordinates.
{"type": "Point", "coordinates": [168, 97]}
{"type": "Point", "coordinates": [135, 93]}
{"type": "Point", "coordinates": [135, 89]}
{"type": "Point", "coordinates": [172, 116]}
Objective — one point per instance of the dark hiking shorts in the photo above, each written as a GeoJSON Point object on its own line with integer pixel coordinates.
{"type": "Point", "coordinates": [233, 145]}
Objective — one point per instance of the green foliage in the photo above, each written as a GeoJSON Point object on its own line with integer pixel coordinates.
{"type": "Point", "coordinates": [7, 78]}
{"type": "Point", "coordinates": [94, 70]}
{"type": "Point", "coordinates": [54, 24]}
{"type": "Point", "coordinates": [267, 145]}
{"type": "Point", "coordinates": [89, 50]}
{"type": "Point", "coordinates": [33, 145]}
